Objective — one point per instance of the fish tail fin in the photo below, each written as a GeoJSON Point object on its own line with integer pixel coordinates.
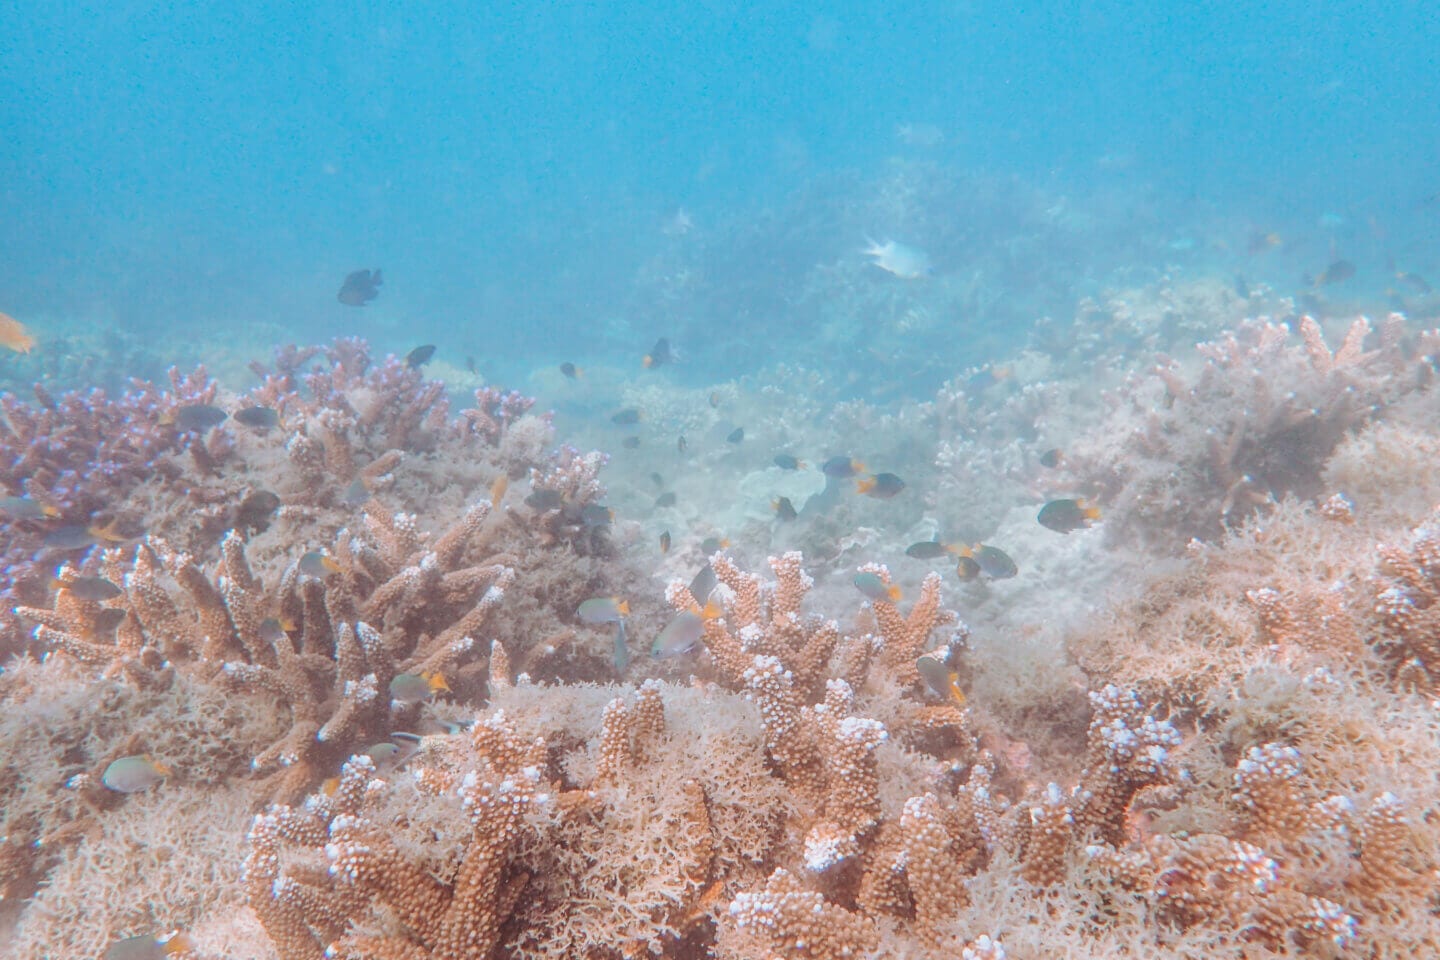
{"type": "Point", "coordinates": [893, 592]}
{"type": "Point", "coordinates": [436, 682]}
{"type": "Point", "coordinates": [179, 942]}
{"type": "Point", "coordinates": [623, 606]}
{"type": "Point", "coordinates": [864, 484]}
{"type": "Point", "coordinates": [956, 693]}
{"type": "Point", "coordinates": [711, 611]}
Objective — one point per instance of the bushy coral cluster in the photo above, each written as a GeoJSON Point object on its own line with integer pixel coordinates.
{"type": "Point", "coordinates": [293, 564]}
{"type": "Point", "coordinates": [1252, 424]}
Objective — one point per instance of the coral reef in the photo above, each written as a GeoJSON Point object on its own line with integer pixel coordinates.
{"type": "Point", "coordinates": [1254, 423]}
{"type": "Point", "coordinates": [300, 612]}
{"type": "Point", "coordinates": [1231, 757]}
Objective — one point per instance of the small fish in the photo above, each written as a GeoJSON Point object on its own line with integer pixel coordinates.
{"type": "Point", "coordinates": [656, 479]}
{"type": "Point", "coordinates": [1415, 282]}
{"type": "Point", "coordinates": [786, 462]}
{"type": "Point", "coordinates": [72, 536]}
{"type": "Point", "coordinates": [408, 689]}
{"type": "Point", "coordinates": [356, 493]}
{"type": "Point", "coordinates": [383, 754]}
{"type": "Point", "coordinates": [498, 488]}
{"type": "Point", "coordinates": [666, 499]}
{"type": "Point", "coordinates": [622, 647]}
{"type": "Point", "coordinates": [680, 635]}
{"type": "Point", "coordinates": [967, 568]}
{"type": "Point", "coordinates": [626, 417]}
{"type": "Point", "coordinates": [940, 679]}
{"type": "Point", "coordinates": [261, 418]}
{"type": "Point", "coordinates": [146, 947]}
{"type": "Point", "coordinates": [108, 619]}
{"type": "Point", "coordinates": [1337, 272]}
{"type": "Point", "coordinates": [272, 631]}
{"type": "Point", "coordinates": [133, 774]}
{"type": "Point", "coordinates": [665, 542]}
{"type": "Point", "coordinates": [928, 549]}
{"type": "Point", "coordinates": [420, 356]}
{"type": "Point", "coordinates": [470, 364]}
{"type": "Point", "coordinates": [681, 444]}
{"type": "Point", "coordinates": [255, 510]}
{"type": "Point", "coordinates": [1063, 516]}
{"type": "Point", "coordinates": [630, 443]}
{"type": "Point", "coordinates": [1241, 287]}
{"type": "Point", "coordinates": [93, 589]}
{"type": "Point", "coordinates": [993, 562]}
{"type": "Point", "coordinates": [715, 399]}
{"type": "Point", "coordinates": [603, 610]}
{"type": "Point", "coordinates": [571, 371]}
{"type": "Point", "coordinates": [881, 486]}
{"type": "Point", "coordinates": [711, 544]}
{"type": "Point", "coordinates": [543, 498]}
{"type": "Point", "coordinates": [842, 468]}
{"type": "Point", "coordinates": [875, 588]}
{"type": "Point", "coordinates": [703, 583]}
{"type": "Point", "coordinates": [594, 515]}
{"type": "Point", "coordinates": [905, 262]}
{"type": "Point", "coordinates": [784, 509]}
{"type": "Point", "coordinates": [24, 508]}
{"type": "Point", "coordinates": [736, 435]}
{"type": "Point", "coordinates": [659, 355]}
{"type": "Point", "coordinates": [318, 565]}
{"type": "Point", "coordinates": [14, 336]}
{"type": "Point", "coordinates": [1051, 458]}
{"type": "Point", "coordinates": [197, 417]}
{"type": "Point", "coordinates": [113, 532]}
{"type": "Point", "coordinates": [360, 287]}
{"type": "Point", "coordinates": [1260, 242]}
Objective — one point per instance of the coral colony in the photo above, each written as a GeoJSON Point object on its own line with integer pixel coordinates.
{"type": "Point", "coordinates": [298, 673]}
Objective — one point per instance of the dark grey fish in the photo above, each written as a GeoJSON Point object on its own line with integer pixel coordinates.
{"type": "Point", "coordinates": [72, 536]}
{"type": "Point", "coordinates": [703, 583]}
{"type": "Point", "coordinates": [594, 515]}
{"type": "Point", "coordinates": [360, 288]}
{"type": "Point", "coordinates": [543, 498]}
{"type": "Point", "coordinates": [94, 589]}
{"type": "Point", "coordinates": [255, 510]}
{"type": "Point", "coordinates": [994, 562]}
{"type": "Point", "coordinates": [736, 435]}
{"type": "Point", "coordinates": [261, 418]}
{"type": "Point", "coordinates": [927, 550]}
{"type": "Point", "coordinates": [198, 417]}
{"type": "Point", "coordinates": [420, 356]}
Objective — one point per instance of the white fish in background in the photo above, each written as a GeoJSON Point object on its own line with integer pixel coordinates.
{"type": "Point", "coordinates": [907, 263]}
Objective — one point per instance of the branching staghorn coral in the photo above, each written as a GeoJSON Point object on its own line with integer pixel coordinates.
{"type": "Point", "coordinates": [1407, 605]}
{"type": "Point", "coordinates": [620, 865]}
{"type": "Point", "coordinates": [309, 913]}
{"type": "Point", "coordinates": [1255, 423]}
{"type": "Point", "coordinates": [331, 670]}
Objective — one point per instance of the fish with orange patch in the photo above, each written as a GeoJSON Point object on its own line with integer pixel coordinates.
{"type": "Point", "coordinates": [14, 335]}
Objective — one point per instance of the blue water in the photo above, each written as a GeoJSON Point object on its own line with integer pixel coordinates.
{"type": "Point", "coordinates": [190, 175]}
